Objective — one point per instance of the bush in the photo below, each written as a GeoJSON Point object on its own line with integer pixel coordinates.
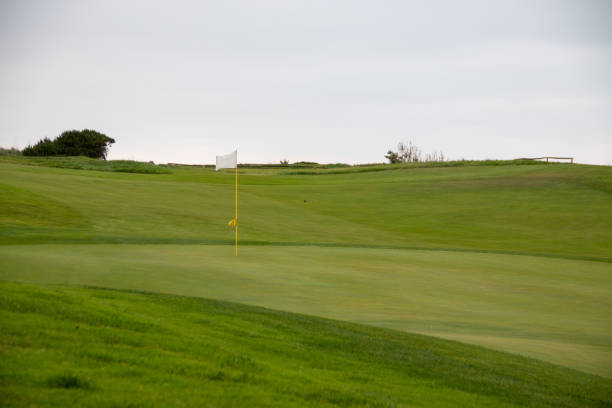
{"type": "Point", "coordinates": [44, 147]}
{"type": "Point", "coordinates": [13, 151]}
{"type": "Point", "coordinates": [410, 153]}
{"type": "Point", "coordinates": [86, 142]}
{"type": "Point", "coordinates": [393, 157]}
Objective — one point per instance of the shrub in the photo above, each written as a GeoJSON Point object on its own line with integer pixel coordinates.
{"type": "Point", "coordinates": [393, 157]}
{"type": "Point", "coordinates": [410, 153]}
{"type": "Point", "coordinates": [44, 147]}
{"type": "Point", "coordinates": [86, 142]}
{"type": "Point", "coordinates": [13, 151]}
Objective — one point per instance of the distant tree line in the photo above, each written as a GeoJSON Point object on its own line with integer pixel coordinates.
{"type": "Point", "coordinates": [13, 151]}
{"type": "Point", "coordinates": [410, 153]}
{"type": "Point", "coordinates": [84, 142]}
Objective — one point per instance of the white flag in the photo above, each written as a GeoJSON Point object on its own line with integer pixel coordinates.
{"type": "Point", "coordinates": [228, 161]}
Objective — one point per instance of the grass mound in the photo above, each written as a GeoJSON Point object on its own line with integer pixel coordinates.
{"type": "Point", "coordinates": [86, 163]}
{"type": "Point", "coordinates": [366, 168]}
{"type": "Point", "coordinates": [63, 345]}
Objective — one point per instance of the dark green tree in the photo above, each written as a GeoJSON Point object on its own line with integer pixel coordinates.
{"type": "Point", "coordinates": [84, 142]}
{"type": "Point", "coordinates": [44, 147]}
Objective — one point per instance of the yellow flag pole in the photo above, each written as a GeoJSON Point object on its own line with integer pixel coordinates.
{"type": "Point", "coordinates": [236, 209]}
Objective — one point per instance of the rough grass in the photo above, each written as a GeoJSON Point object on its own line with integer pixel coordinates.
{"type": "Point", "coordinates": [70, 346]}
{"type": "Point", "coordinates": [364, 168]}
{"type": "Point", "coordinates": [86, 163]}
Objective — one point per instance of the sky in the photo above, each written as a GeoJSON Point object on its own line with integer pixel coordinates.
{"type": "Point", "coordinates": [326, 81]}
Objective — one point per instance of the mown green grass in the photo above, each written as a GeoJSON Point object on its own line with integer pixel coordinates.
{"type": "Point", "coordinates": [558, 210]}
{"type": "Point", "coordinates": [554, 309]}
{"type": "Point", "coordinates": [71, 346]}
{"type": "Point", "coordinates": [517, 258]}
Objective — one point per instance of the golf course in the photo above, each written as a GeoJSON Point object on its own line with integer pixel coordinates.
{"type": "Point", "coordinates": [422, 284]}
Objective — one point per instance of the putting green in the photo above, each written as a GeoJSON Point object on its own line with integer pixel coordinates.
{"type": "Point", "coordinates": [553, 309]}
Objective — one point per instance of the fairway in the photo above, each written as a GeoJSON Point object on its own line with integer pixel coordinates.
{"type": "Point", "coordinates": [555, 210]}
{"type": "Point", "coordinates": [513, 257]}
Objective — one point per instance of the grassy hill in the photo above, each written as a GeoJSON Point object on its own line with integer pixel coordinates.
{"type": "Point", "coordinates": [512, 256]}
{"type": "Point", "coordinates": [85, 163]}
{"type": "Point", "coordinates": [70, 346]}
{"type": "Point", "coordinates": [560, 210]}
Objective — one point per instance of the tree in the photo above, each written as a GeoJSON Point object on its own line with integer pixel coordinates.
{"type": "Point", "coordinates": [410, 153]}
{"type": "Point", "coordinates": [84, 142]}
{"type": "Point", "coordinates": [44, 147]}
{"type": "Point", "coordinates": [406, 153]}
{"type": "Point", "coordinates": [392, 157]}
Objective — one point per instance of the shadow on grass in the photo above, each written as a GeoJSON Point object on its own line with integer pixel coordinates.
{"type": "Point", "coordinates": [68, 381]}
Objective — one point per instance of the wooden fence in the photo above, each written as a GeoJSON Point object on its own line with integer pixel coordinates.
{"type": "Point", "coordinates": [571, 159]}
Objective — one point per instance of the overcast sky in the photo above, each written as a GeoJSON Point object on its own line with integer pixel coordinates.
{"type": "Point", "coordinates": [325, 81]}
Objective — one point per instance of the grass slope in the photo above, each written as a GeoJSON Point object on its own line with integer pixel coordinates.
{"type": "Point", "coordinates": [86, 163]}
{"type": "Point", "coordinates": [560, 210]}
{"type": "Point", "coordinates": [341, 245]}
{"type": "Point", "coordinates": [555, 309]}
{"type": "Point", "coordinates": [70, 346]}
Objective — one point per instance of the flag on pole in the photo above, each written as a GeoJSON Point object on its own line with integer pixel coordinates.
{"type": "Point", "coordinates": [230, 161]}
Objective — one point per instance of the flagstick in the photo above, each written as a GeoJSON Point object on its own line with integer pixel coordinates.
{"type": "Point", "coordinates": [236, 209]}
